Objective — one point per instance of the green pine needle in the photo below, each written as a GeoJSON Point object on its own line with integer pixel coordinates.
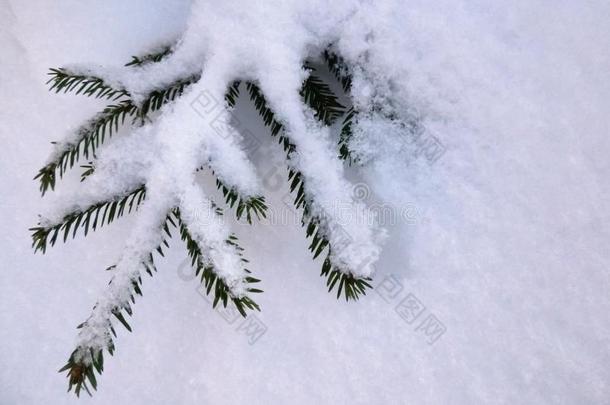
{"type": "Point", "coordinates": [95, 216]}
{"type": "Point", "coordinates": [93, 133]}
{"type": "Point", "coordinates": [90, 136]}
{"type": "Point", "coordinates": [81, 371]}
{"type": "Point", "coordinates": [319, 96]}
{"type": "Point", "coordinates": [352, 286]}
{"type": "Point", "coordinates": [337, 66]}
{"type": "Point", "coordinates": [91, 86]}
{"type": "Point", "coordinates": [209, 278]}
{"type": "Point", "coordinates": [152, 57]}
{"type": "Point", "coordinates": [345, 136]}
{"type": "Point", "coordinates": [232, 93]}
{"type": "Point", "coordinates": [243, 206]}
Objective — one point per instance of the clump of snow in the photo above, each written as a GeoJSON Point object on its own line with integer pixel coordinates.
{"type": "Point", "coordinates": [120, 167]}
{"type": "Point", "coordinates": [212, 235]}
{"type": "Point", "coordinates": [144, 239]}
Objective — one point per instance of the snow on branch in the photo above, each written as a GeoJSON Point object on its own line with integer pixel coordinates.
{"type": "Point", "coordinates": [207, 229]}
{"type": "Point", "coordinates": [97, 332]}
{"type": "Point", "coordinates": [177, 103]}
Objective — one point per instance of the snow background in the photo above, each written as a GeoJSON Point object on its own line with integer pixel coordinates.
{"type": "Point", "coordinates": [508, 248]}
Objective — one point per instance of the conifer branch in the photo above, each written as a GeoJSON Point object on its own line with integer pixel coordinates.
{"type": "Point", "coordinates": [260, 103]}
{"type": "Point", "coordinates": [88, 170]}
{"type": "Point", "coordinates": [91, 135]}
{"type": "Point", "coordinates": [88, 139]}
{"type": "Point", "coordinates": [345, 136]}
{"type": "Point", "coordinates": [88, 357]}
{"type": "Point", "coordinates": [157, 98]}
{"type": "Point", "coordinates": [337, 66]}
{"type": "Point", "coordinates": [209, 275]}
{"type": "Point", "coordinates": [352, 286]}
{"type": "Point", "coordinates": [91, 86]}
{"type": "Point", "coordinates": [97, 332]}
{"type": "Point", "coordinates": [319, 96]}
{"type": "Point", "coordinates": [95, 216]}
{"type": "Point", "coordinates": [81, 371]}
{"type": "Point", "coordinates": [232, 93]}
{"type": "Point", "coordinates": [245, 206]}
{"type": "Point", "coordinates": [152, 57]}
{"type": "Point", "coordinates": [85, 362]}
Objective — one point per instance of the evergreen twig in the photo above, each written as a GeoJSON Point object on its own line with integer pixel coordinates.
{"type": "Point", "coordinates": [90, 136]}
{"type": "Point", "coordinates": [93, 133]}
{"type": "Point", "coordinates": [98, 214]}
{"type": "Point", "coordinates": [245, 206]}
{"type": "Point", "coordinates": [152, 57]}
{"type": "Point", "coordinates": [351, 285]}
{"type": "Point", "coordinates": [319, 96]}
{"type": "Point", "coordinates": [345, 136]}
{"type": "Point", "coordinates": [85, 362]}
{"type": "Point", "coordinates": [64, 80]}
{"type": "Point", "coordinates": [208, 274]}
{"type": "Point", "coordinates": [337, 66]}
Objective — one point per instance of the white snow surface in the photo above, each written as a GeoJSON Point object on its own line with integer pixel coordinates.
{"type": "Point", "coordinates": [505, 243]}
